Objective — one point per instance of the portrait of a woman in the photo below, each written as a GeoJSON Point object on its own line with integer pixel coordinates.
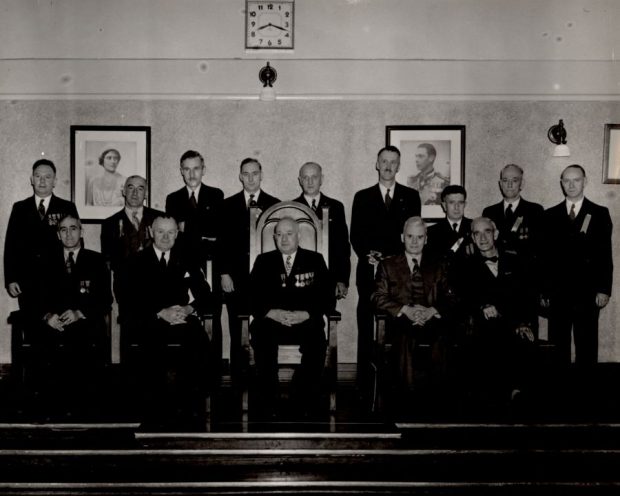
{"type": "Point", "coordinates": [106, 189]}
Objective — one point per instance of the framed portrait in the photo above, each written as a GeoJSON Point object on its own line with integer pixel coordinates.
{"type": "Point", "coordinates": [102, 158]}
{"type": "Point", "coordinates": [431, 157]}
{"type": "Point", "coordinates": [611, 154]}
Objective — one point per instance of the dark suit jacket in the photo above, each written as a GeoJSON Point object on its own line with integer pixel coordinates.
{"type": "Point", "coordinates": [373, 227]}
{"type": "Point", "coordinates": [339, 246]}
{"type": "Point", "coordinates": [526, 240]}
{"type": "Point", "coordinates": [441, 237]}
{"type": "Point", "coordinates": [86, 289]}
{"type": "Point", "coordinates": [393, 286]}
{"type": "Point", "coordinates": [200, 229]}
{"type": "Point", "coordinates": [578, 254]}
{"type": "Point", "coordinates": [154, 288]}
{"type": "Point", "coordinates": [29, 239]}
{"type": "Point", "coordinates": [510, 292]}
{"type": "Point", "coordinates": [234, 236]}
{"type": "Point", "coordinates": [120, 239]}
{"type": "Point", "coordinates": [308, 287]}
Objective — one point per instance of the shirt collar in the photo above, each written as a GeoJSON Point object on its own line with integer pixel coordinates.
{"type": "Point", "coordinates": [158, 253]}
{"type": "Point", "coordinates": [384, 190]}
{"type": "Point", "coordinates": [129, 211]}
{"type": "Point", "coordinates": [292, 255]}
{"type": "Point", "coordinates": [247, 196]}
{"type": "Point", "coordinates": [316, 197]}
{"type": "Point", "coordinates": [457, 222]}
{"type": "Point", "coordinates": [195, 191]}
{"type": "Point", "coordinates": [75, 251]}
{"type": "Point", "coordinates": [578, 205]}
{"type": "Point", "coordinates": [46, 201]}
{"type": "Point", "coordinates": [514, 204]}
{"type": "Point", "coordinates": [410, 258]}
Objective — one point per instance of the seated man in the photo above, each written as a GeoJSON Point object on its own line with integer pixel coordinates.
{"type": "Point", "coordinates": [74, 299]}
{"type": "Point", "coordinates": [168, 293]}
{"type": "Point", "coordinates": [501, 307]}
{"type": "Point", "coordinates": [291, 292]}
{"type": "Point", "coordinates": [413, 289]}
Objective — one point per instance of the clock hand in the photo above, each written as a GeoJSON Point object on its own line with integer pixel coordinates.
{"type": "Point", "coordinates": [278, 27]}
{"type": "Point", "coordinates": [265, 26]}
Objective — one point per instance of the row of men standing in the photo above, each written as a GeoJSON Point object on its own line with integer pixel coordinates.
{"type": "Point", "coordinates": [217, 228]}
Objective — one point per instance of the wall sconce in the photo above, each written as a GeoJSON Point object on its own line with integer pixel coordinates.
{"type": "Point", "coordinates": [267, 75]}
{"type": "Point", "coordinates": [557, 135]}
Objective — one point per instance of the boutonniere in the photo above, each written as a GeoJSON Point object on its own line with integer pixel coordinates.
{"type": "Point", "coordinates": [186, 275]}
{"type": "Point", "coordinates": [283, 278]}
{"type": "Point", "coordinates": [84, 287]}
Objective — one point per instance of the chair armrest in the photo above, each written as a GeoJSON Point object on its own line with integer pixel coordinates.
{"type": "Point", "coordinates": [207, 322]}
{"type": "Point", "coordinates": [380, 320]}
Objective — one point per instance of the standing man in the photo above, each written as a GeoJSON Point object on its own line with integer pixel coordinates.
{"type": "Point", "coordinates": [377, 220]}
{"type": "Point", "coordinates": [195, 208]}
{"type": "Point", "coordinates": [428, 182]}
{"type": "Point", "coordinates": [519, 221]}
{"type": "Point", "coordinates": [127, 232]}
{"type": "Point", "coordinates": [310, 180]}
{"type": "Point", "coordinates": [291, 293]}
{"type": "Point", "coordinates": [234, 250]}
{"type": "Point", "coordinates": [412, 288]}
{"type": "Point", "coordinates": [578, 267]}
{"type": "Point", "coordinates": [451, 235]}
{"type": "Point", "coordinates": [32, 233]}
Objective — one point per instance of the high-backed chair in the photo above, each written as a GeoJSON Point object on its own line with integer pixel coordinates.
{"type": "Point", "coordinates": [313, 235]}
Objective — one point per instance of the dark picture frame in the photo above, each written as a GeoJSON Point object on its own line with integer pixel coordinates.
{"type": "Point", "coordinates": [95, 188]}
{"type": "Point", "coordinates": [448, 167]}
{"type": "Point", "coordinates": [611, 154]}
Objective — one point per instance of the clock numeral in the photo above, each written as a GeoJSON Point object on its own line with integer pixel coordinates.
{"type": "Point", "coordinates": [260, 7]}
{"type": "Point", "coordinates": [286, 24]}
{"type": "Point", "coordinates": [253, 23]}
{"type": "Point", "coordinates": [253, 13]}
{"type": "Point", "coordinates": [253, 34]}
{"type": "Point", "coordinates": [270, 6]}
{"type": "Point", "coordinates": [279, 41]}
{"type": "Point", "coordinates": [287, 35]}
{"type": "Point", "coordinates": [269, 43]}
{"type": "Point", "coordinates": [260, 40]}
{"type": "Point", "coordinates": [287, 14]}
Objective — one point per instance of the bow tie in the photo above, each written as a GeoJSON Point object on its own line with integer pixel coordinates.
{"type": "Point", "coordinates": [493, 259]}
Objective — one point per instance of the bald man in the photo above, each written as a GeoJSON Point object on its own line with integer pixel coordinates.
{"type": "Point", "coordinates": [291, 292]}
{"type": "Point", "coordinates": [311, 180]}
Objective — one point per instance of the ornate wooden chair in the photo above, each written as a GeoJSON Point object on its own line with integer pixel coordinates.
{"type": "Point", "coordinates": [313, 236]}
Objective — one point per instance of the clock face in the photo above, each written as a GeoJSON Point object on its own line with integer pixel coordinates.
{"type": "Point", "coordinates": [269, 25]}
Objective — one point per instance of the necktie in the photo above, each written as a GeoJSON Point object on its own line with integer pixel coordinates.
{"type": "Point", "coordinates": [416, 266]}
{"type": "Point", "coordinates": [70, 263]}
{"type": "Point", "coordinates": [572, 212]}
{"type": "Point", "coordinates": [162, 260]}
{"type": "Point", "coordinates": [251, 203]}
{"type": "Point", "coordinates": [455, 226]}
{"type": "Point", "coordinates": [288, 265]}
{"type": "Point", "coordinates": [41, 209]}
{"type": "Point", "coordinates": [192, 200]}
{"type": "Point", "coordinates": [509, 214]}
{"type": "Point", "coordinates": [314, 204]}
{"type": "Point", "coordinates": [388, 199]}
{"type": "Point", "coordinates": [135, 221]}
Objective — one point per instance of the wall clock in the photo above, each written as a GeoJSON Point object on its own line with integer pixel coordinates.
{"type": "Point", "coordinates": [269, 25]}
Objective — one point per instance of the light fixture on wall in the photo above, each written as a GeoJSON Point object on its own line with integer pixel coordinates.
{"type": "Point", "coordinates": [267, 75]}
{"type": "Point", "coordinates": [557, 135]}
